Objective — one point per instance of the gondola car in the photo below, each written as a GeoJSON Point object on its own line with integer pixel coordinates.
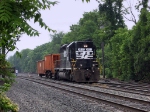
{"type": "Point", "coordinates": [77, 62]}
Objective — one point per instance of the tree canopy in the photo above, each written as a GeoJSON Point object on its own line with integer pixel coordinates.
{"type": "Point", "coordinates": [14, 17]}
{"type": "Point", "coordinates": [126, 51]}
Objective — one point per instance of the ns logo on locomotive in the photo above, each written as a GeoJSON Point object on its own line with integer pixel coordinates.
{"type": "Point", "coordinates": [75, 62]}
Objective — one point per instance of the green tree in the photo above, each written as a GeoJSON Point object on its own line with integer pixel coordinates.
{"type": "Point", "coordinates": [112, 12]}
{"type": "Point", "coordinates": [121, 58]}
{"type": "Point", "coordinates": [13, 21]}
{"type": "Point", "coordinates": [140, 43]}
{"type": "Point", "coordinates": [56, 42]}
{"type": "Point", "coordinates": [84, 29]}
{"type": "Point", "coordinates": [27, 62]}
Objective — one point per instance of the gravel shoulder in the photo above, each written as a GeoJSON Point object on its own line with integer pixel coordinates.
{"type": "Point", "coordinates": [33, 97]}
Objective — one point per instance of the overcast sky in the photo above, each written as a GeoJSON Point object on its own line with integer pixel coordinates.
{"type": "Point", "coordinates": [60, 17]}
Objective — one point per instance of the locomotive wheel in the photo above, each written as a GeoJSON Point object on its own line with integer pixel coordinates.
{"type": "Point", "coordinates": [47, 75]}
{"type": "Point", "coordinates": [56, 76]}
{"type": "Point", "coordinates": [50, 75]}
{"type": "Point", "coordinates": [71, 77]}
{"type": "Point", "coordinates": [40, 75]}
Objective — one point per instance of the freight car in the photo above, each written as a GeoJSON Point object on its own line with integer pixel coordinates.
{"type": "Point", "coordinates": [46, 67]}
{"type": "Point", "coordinates": [40, 68]}
{"type": "Point", "coordinates": [75, 62]}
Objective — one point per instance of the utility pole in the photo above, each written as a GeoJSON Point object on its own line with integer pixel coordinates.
{"type": "Point", "coordinates": [0, 51]}
{"type": "Point", "coordinates": [102, 46]}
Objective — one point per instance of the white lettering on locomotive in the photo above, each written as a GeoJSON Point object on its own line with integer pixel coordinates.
{"type": "Point", "coordinates": [84, 53]}
{"type": "Point", "coordinates": [88, 49]}
{"type": "Point", "coordinates": [81, 49]}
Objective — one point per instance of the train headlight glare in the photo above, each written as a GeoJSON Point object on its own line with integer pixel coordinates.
{"type": "Point", "coordinates": [85, 45]}
{"type": "Point", "coordinates": [80, 64]}
{"type": "Point", "coordinates": [93, 65]}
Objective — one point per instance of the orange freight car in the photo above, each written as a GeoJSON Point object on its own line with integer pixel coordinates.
{"type": "Point", "coordinates": [40, 67]}
{"type": "Point", "coordinates": [50, 64]}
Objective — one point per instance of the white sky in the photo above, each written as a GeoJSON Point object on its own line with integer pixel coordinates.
{"type": "Point", "coordinates": [60, 18]}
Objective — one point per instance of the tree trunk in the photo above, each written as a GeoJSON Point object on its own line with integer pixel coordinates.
{"type": "Point", "coordinates": [3, 50]}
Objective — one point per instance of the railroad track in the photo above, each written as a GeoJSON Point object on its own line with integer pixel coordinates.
{"type": "Point", "coordinates": [136, 89]}
{"type": "Point", "coordinates": [119, 101]}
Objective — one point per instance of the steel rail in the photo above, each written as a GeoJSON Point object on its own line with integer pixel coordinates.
{"type": "Point", "coordinates": [141, 91]}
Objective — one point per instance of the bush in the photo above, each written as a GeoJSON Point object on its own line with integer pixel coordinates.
{"type": "Point", "coordinates": [5, 103]}
{"type": "Point", "coordinates": [6, 80]}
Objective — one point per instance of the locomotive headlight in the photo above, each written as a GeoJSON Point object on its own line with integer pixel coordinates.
{"type": "Point", "coordinates": [93, 65]}
{"type": "Point", "coordinates": [80, 64]}
{"type": "Point", "coordinates": [85, 45]}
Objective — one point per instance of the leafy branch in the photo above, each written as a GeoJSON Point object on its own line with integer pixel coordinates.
{"type": "Point", "coordinates": [13, 20]}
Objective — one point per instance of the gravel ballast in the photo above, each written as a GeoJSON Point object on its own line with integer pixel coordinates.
{"type": "Point", "coordinates": [33, 97]}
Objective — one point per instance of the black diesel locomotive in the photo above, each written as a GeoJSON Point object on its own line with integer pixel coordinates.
{"type": "Point", "coordinates": [78, 62]}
